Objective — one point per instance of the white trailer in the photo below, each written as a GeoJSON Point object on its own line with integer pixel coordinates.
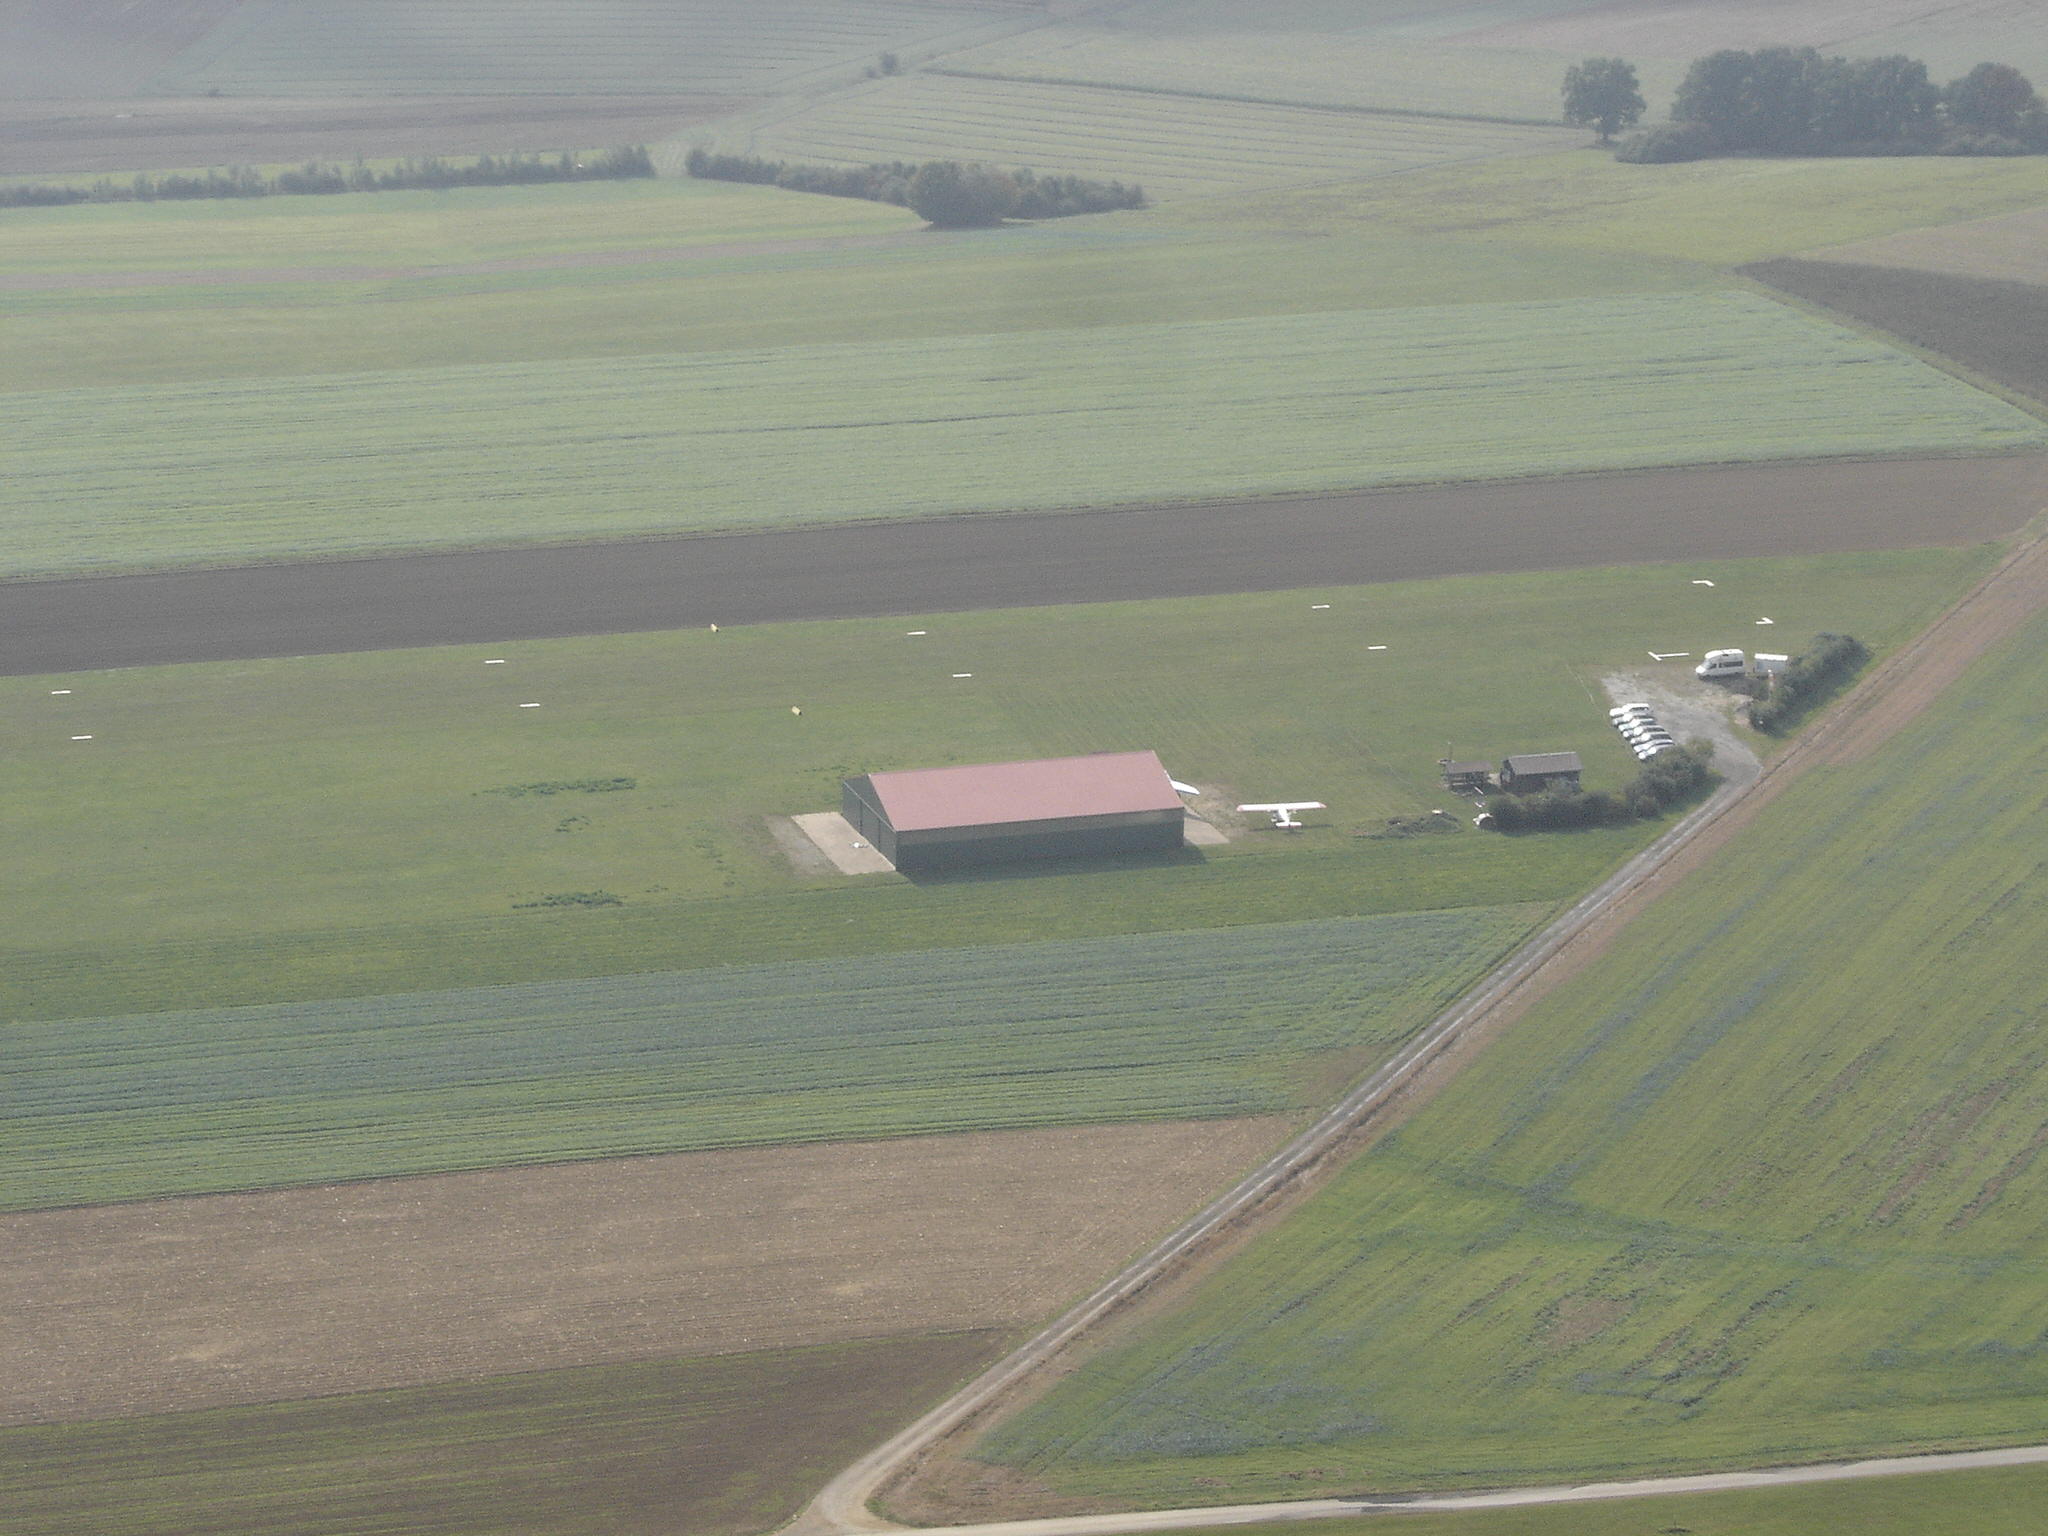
{"type": "Point", "coordinates": [1721, 666]}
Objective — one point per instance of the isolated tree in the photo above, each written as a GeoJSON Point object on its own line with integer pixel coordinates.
{"type": "Point", "coordinates": [1602, 94]}
{"type": "Point", "coordinates": [1992, 98]}
{"type": "Point", "coordinates": [950, 195]}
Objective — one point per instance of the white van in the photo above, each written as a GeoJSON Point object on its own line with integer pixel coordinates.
{"type": "Point", "coordinates": [1722, 664]}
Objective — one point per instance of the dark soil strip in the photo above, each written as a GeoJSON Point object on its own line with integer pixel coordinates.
{"type": "Point", "coordinates": [1023, 560]}
{"type": "Point", "coordinates": [1997, 329]}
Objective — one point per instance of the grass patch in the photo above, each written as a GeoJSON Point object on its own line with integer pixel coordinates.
{"type": "Point", "coordinates": [237, 803]}
{"type": "Point", "coordinates": [1759, 1186]}
{"type": "Point", "coordinates": [724, 1446]}
{"type": "Point", "coordinates": [465, 456]}
{"type": "Point", "coordinates": [1241, 1021]}
{"type": "Point", "coordinates": [1173, 146]}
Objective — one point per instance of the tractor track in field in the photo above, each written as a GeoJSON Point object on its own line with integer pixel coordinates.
{"type": "Point", "coordinates": [954, 564]}
{"type": "Point", "coordinates": [1889, 697]}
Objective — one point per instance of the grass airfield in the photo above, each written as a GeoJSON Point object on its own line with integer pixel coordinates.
{"type": "Point", "coordinates": [323, 833]}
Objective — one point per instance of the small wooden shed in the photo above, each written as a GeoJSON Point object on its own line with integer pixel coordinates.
{"type": "Point", "coordinates": [1526, 773]}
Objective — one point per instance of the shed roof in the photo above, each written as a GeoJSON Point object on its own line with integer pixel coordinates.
{"type": "Point", "coordinates": [985, 794]}
{"type": "Point", "coordinates": [1544, 762]}
{"type": "Point", "coordinates": [1453, 769]}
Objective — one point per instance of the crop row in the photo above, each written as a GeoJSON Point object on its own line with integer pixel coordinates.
{"type": "Point", "coordinates": [1172, 145]}
{"type": "Point", "coordinates": [1283, 404]}
{"type": "Point", "coordinates": [1765, 1184]}
{"type": "Point", "coordinates": [1145, 1027]}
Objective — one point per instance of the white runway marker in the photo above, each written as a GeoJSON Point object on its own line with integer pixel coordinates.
{"type": "Point", "coordinates": [55, 691]}
{"type": "Point", "coordinates": [529, 706]}
{"type": "Point", "coordinates": [81, 738]}
{"type": "Point", "coordinates": [1701, 581]}
{"type": "Point", "coordinates": [1375, 647]}
{"type": "Point", "coordinates": [1319, 605]}
{"type": "Point", "coordinates": [1668, 655]}
{"type": "Point", "coordinates": [963, 674]}
{"type": "Point", "coordinates": [1764, 621]}
{"type": "Point", "coordinates": [917, 632]}
{"type": "Point", "coordinates": [495, 661]}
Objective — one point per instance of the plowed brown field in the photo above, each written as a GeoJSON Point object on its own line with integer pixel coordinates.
{"type": "Point", "coordinates": [2010, 247]}
{"type": "Point", "coordinates": [174, 1304]}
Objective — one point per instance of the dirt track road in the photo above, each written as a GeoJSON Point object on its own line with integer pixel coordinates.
{"type": "Point", "coordinates": [1886, 699]}
{"type": "Point", "coordinates": [1026, 559]}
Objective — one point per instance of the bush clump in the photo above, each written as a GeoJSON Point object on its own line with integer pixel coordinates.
{"type": "Point", "coordinates": [1810, 679]}
{"type": "Point", "coordinates": [1667, 144]}
{"type": "Point", "coordinates": [1672, 776]}
{"type": "Point", "coordinates": [955, 195]}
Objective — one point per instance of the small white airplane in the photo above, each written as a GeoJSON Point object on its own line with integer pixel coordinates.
{"type": "Point", "coordinates": [1283, 811]}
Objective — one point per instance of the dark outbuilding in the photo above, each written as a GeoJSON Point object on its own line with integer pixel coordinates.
{"type": "Point", "coordinates": [1063, 807]}
{"type": "Point", "coordinates": [1528, 772]}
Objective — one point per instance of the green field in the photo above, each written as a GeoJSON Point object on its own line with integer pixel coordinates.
{"type": "Point", "coordinates": [342, 464]}
{"type": "Point", "coordinates": [511, 47]}
{"type": "Point", "coordinates": [1173, 146]}
{"type": "Point", "coordinates": [413, 279]}
{"type": "Point", "coordinates": [722, 1446]}
{"type": "Point", "coordinates": [1161, 1026]}
{"type": "Point", "coordinates": [261, 798]}
{"type": "Point", "coordinates": [1759, 1186]}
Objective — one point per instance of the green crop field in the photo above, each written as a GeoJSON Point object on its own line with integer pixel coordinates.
{"type": "Point", "coordinates": [723, 1446]}
{"type": "Point", "coordinates": [1148, 1027]}
{"type": "Point", "coordinates": [340, 464]}
{"type": "Point", "coordinates": [2000, 1501]}
{"type": "Point", "coordinates": [1172, 146]}
{"type": "Point", "coordinates": [164, 292]}
{"type": "Point", "coordinates": [276, 797]}
{"type": "Point", "coordinates": [483, 47]}
{"type": "Point", "coordinates": [1760, 1185]}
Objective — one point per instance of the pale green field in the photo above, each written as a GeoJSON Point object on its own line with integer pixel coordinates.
{"type": "Point", "coordinates": [1724, 212]}
{"type": "Point", "coordinates": [1174, 147]}
{"type": "Point", "coordinates": [414, 233]}
{"type": "Point", "coordinates": [328, 793]}
{"type": "Point", "coordinates": [1166, 1026]}
{"type": "Point", "coordinates": [341, 464]}
{"type": "Point", "coordinates": [510, 47]}
{"type": "Point", "coordinates": [1760, 1185]}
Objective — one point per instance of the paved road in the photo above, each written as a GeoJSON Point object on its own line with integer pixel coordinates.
{"type": "Point", "coordinates": [955, 564]}
{"type": "Point", "coordinates": [1889, 696]}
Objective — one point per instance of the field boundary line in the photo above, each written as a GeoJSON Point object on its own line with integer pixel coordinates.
{"type": "Point", "coordinates": [1187, 94]}
{"type": "Point", "coordinates": [843, 1506]}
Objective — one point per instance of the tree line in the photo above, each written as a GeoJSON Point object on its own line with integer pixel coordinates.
{"type": "Point", "coordinates": [1811, 678]}
{"type": "Point", "coordinates": [1798, 101]}
{"type": "Point", "coordinates": [948, 193]}
{"type": "Point", "coordinates": [316, 177]}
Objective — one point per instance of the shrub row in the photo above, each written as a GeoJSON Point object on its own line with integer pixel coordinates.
{"type": "Point", "coordinates": [945, 192]}
{"type": "Point", "coordinates": [1810, 678]}
{"type": "Point", "coordinates": [1673, 775]}
{"type": "Point", "coordinates": [317, 177]}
